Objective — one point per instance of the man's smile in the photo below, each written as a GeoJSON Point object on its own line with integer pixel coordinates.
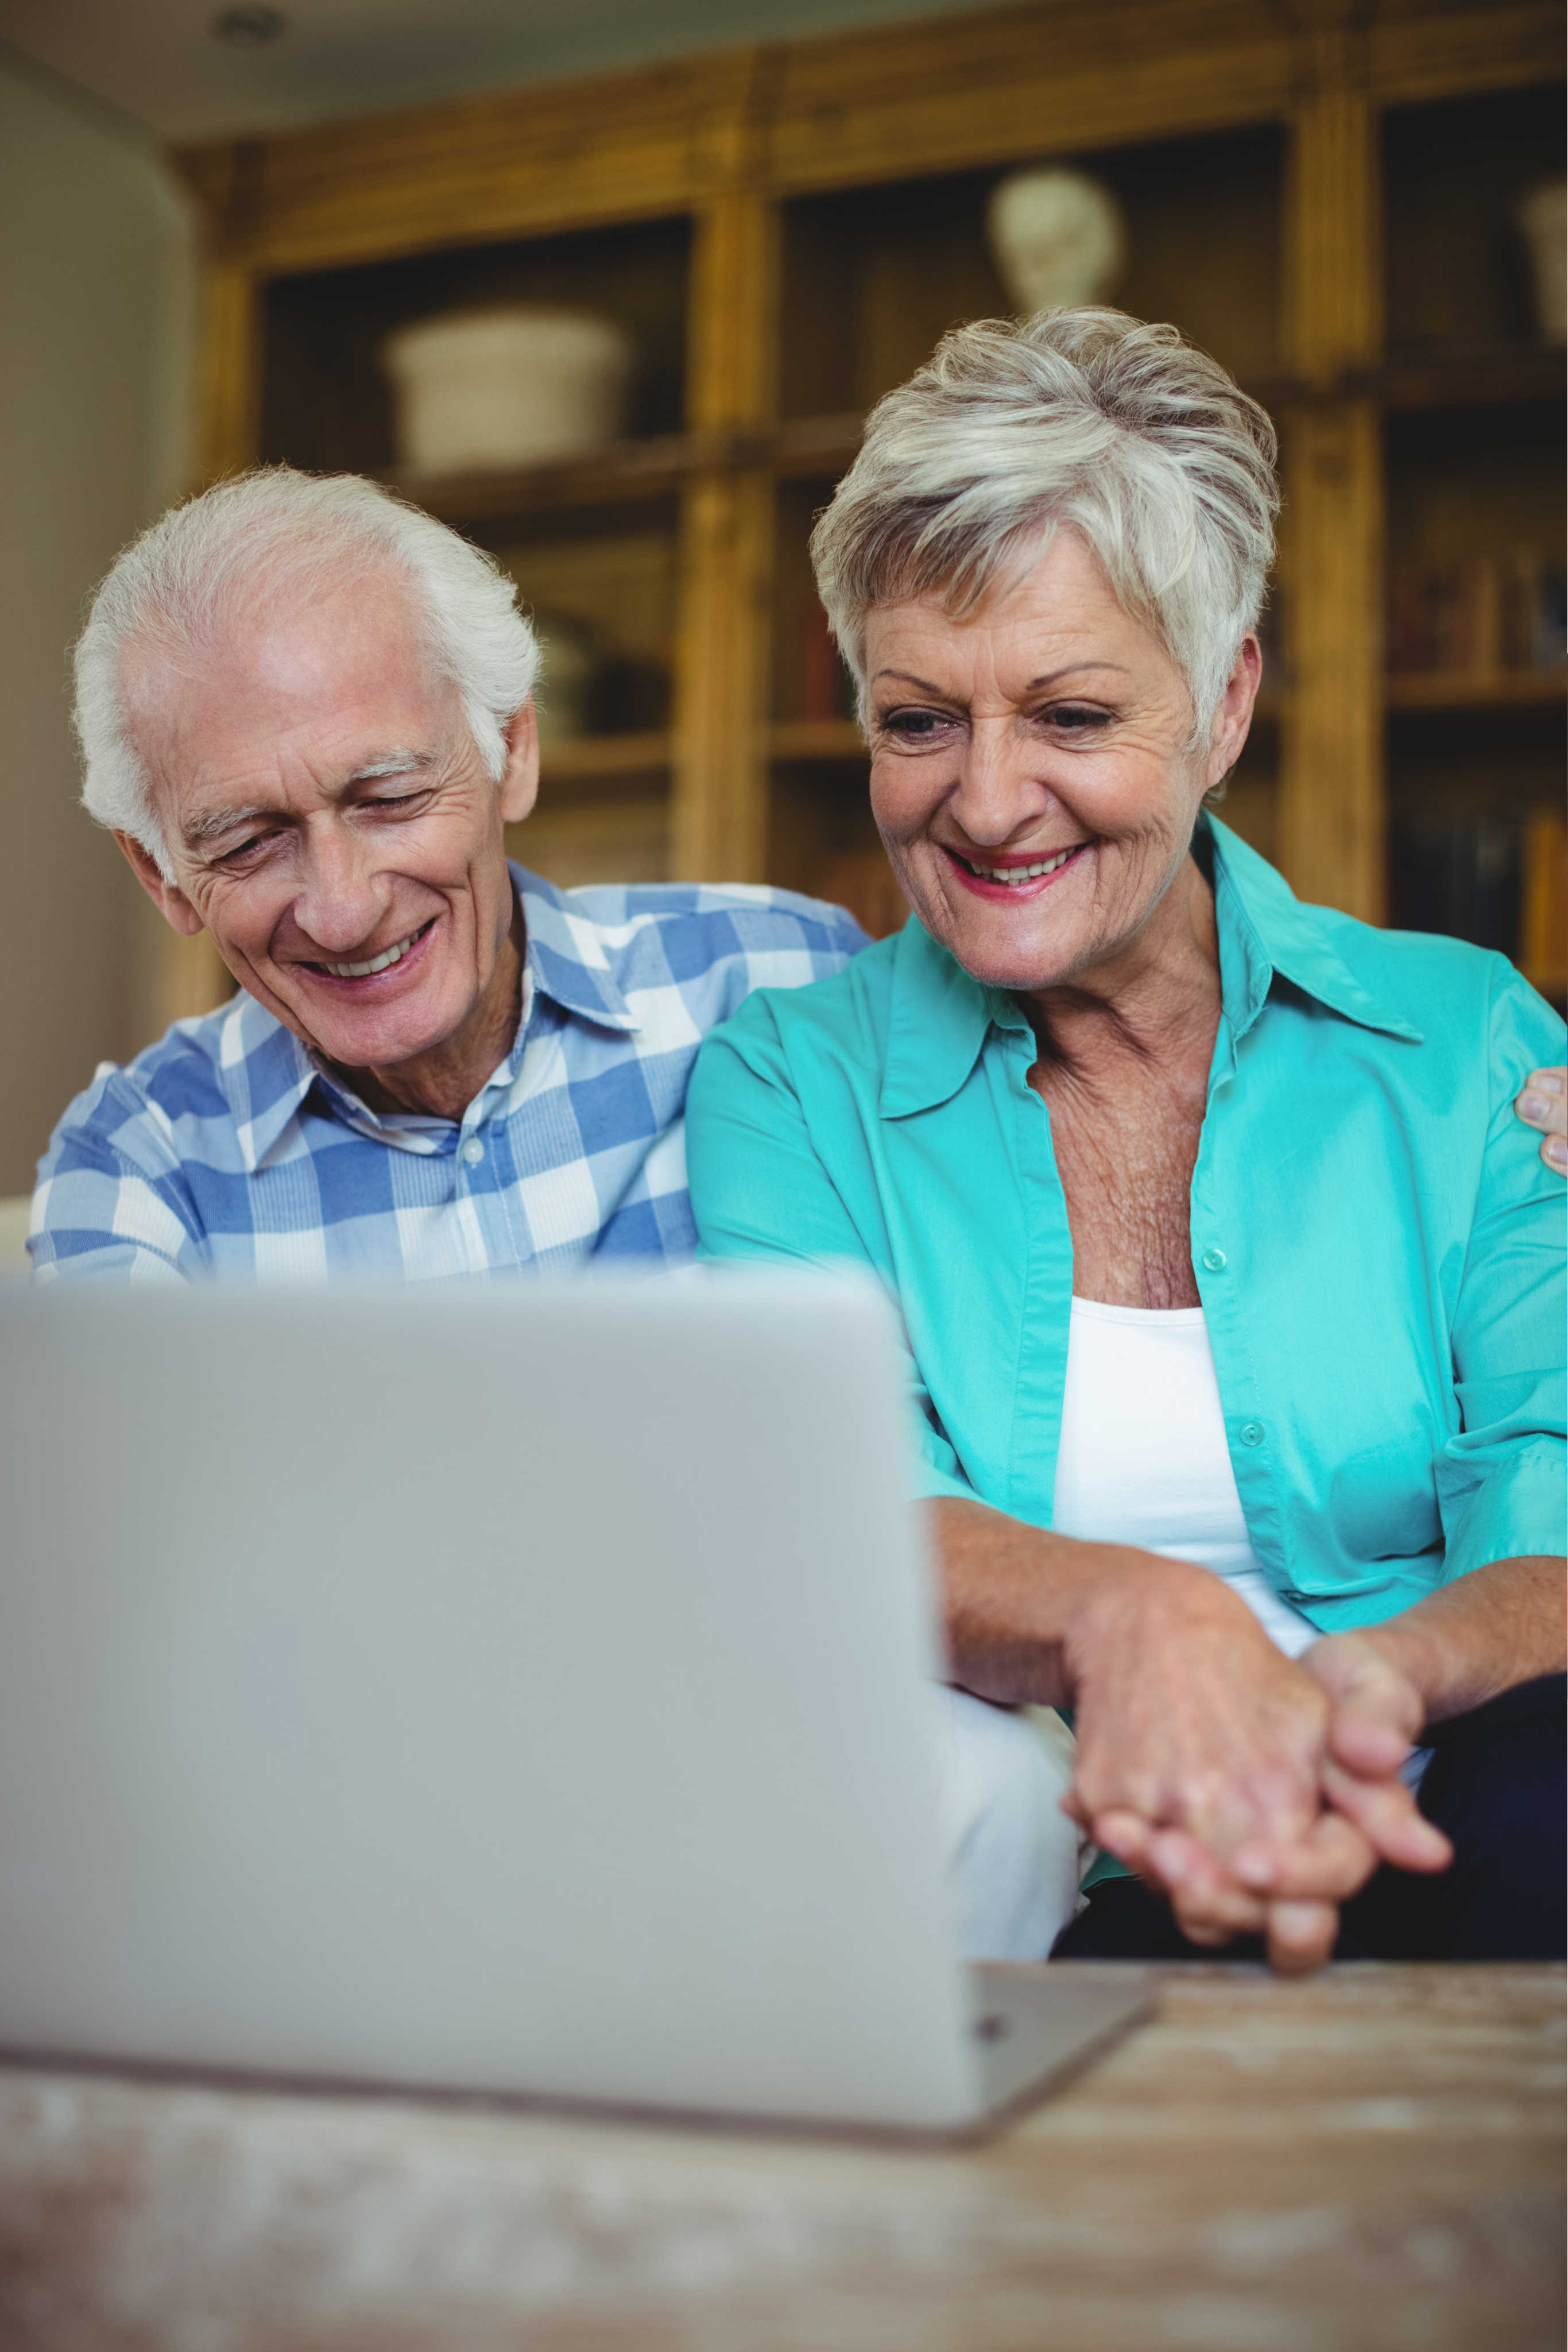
{"type": "Point", "coordinates": [383, 961]}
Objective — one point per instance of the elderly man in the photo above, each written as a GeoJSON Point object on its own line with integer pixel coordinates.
{"type": "Point", "coordinates": [306, 713]}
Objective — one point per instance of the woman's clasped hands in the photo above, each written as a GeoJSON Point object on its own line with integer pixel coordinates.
{"type": "Point", "coordinates": [1259, 1793]}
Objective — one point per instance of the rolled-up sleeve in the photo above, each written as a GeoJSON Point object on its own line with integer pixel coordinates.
{"type": "Point", "coordinates": [1502, 1481]}
{"type": "Point", "coordinates": [761, 1190]}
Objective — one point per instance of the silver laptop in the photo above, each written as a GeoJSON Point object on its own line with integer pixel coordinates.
{"type": "Point", "coordinates": [517, 1689]}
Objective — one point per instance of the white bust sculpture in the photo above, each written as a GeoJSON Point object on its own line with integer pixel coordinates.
{"type": "Point", "coordinates": [1058, 237]}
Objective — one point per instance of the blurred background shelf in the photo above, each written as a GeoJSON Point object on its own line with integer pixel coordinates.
{"type": "Point", "coordinates": [1336, 218]}
{"type": "Point", "coordinates": [589, 758]}
{"type": "Point", "coordinates": [816, 738]}
{"type": "Point", "coordinates": [1517, 690]}
{"type": "Point", "coordinates": [1482, 379]}
{"type": "Point", "coordinates": [621, 475]}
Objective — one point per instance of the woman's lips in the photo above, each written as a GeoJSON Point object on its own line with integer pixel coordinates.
{"type": "Point", "coordinates": [1009, 893]}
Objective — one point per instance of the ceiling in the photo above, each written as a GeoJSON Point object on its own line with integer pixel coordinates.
{"type": "Point", "coordinates": [160, 62]}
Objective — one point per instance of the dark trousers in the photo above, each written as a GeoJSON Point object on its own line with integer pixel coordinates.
{"type": "Point", "coordinates": [1495, 1786]}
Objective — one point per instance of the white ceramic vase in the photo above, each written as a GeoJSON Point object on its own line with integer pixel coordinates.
{"type": "Point", "coordinates": [1543, 215]}
{"type": "Point", "coordinates": [1057, 239]}
{"type": "Point", "coordinates": [511, 386]}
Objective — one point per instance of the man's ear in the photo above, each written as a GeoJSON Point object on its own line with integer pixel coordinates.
{"type": "Point", "coordinates": [167, 897]}
{"type": "Point", "coordinates": [520, 776]}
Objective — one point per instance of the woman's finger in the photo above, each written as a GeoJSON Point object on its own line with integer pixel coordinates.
{"type": "Point", "coordinates": [1333, 1862]}
{"type": "Point", "coordinates": [1204, 1893]}
{"type": "Point", "coordinates": [1385, 1813]}
{"type": "Point", "coordinates": [1301, 1936]}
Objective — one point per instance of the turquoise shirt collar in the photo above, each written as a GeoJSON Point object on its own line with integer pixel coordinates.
{"type": "Point", "coordinates": [940, 1016]}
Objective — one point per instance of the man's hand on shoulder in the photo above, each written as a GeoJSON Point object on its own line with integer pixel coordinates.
{"type": "Point", "coordinates": [1543, 1103]}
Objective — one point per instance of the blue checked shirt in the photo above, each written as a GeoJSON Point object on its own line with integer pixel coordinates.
{"type": "Point", "coordinates": [227, 1150]}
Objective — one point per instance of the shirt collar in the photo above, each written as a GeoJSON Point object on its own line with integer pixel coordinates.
{"type": "Point", "coordinates": [940, 1015]}
{"type": "Point", "coordinates": [569, 954]}
{"type": "Point", "coordinates": [1266, 931]}
{"type": "Point", "coordinates": [266, 1073]}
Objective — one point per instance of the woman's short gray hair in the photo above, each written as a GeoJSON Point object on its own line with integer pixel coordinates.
{"type": "Point", "coordinates": [1085, 417]}
{"type": "Point", "coordinates": [207, 563]}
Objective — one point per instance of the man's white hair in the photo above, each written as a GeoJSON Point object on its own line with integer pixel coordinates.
{"type": "Point", "coordinates": [1082, 417]}
{"type": "Point", "coordinates": [216, 562]}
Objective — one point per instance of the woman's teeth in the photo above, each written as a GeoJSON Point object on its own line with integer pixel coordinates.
{"type": "Point", "coordinates": [378, 964]}
{"type": "Point", "coordinates": [1023, 873]}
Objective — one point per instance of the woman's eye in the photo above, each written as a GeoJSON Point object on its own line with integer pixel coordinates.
{"type": "Point", "coordinates": [1075, 717]}
{"type": "Point", "coordinates": [914, 726]}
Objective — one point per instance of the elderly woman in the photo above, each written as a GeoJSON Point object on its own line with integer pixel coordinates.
{"type": "Point", "coordinates": [1232, 1287]}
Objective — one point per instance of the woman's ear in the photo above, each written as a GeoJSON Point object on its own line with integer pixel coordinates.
{"type": "Point", "coordinates": [1233, 719]}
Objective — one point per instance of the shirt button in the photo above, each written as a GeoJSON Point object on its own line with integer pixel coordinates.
{"type": "Point", "coordinates": [473, 1152]}
{"type": "Point", "coordinates": [1251, 1432]}
{"type": "Point", "coordinates": [1213, 1261]}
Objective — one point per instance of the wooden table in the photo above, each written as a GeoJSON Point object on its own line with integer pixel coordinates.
{"type": "Point", "coordinates": [1370, 2161]}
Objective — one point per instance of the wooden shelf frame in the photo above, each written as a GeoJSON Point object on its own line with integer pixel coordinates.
{"type": "Point", "coordinates": [593, 759]}
{"type": "Point", "coordinates": [1517, 689]}
{"type": "Point", "coordinates": [729, 141]}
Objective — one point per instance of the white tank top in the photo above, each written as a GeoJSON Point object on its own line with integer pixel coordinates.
{"type": "Point", "coordinates": [1143, 1459]}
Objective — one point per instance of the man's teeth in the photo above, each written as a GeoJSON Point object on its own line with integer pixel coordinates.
{"type": "Point", "coordinates": [376, 964]}
{"type": "Point", "coordinates": [1023, 873]}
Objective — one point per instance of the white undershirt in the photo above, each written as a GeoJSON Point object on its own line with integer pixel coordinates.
{"type": "Point", "coordinates": [1144, 1458]}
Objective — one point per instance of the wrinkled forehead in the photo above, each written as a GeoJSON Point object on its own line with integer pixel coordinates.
{"type": "Point", "coordinates": [320, 672]}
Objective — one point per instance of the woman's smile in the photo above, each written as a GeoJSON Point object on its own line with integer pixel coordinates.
{"type": "Point", "coordinates": [1025, 875]}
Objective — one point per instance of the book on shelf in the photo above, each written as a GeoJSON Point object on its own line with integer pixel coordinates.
{"type": "Point", "coordinates": [827, 690]}
{"type": "Point", "coordinates": [1544, 909]}
{"type": "Point", "coordinates": [1500, 882]}
{"type": "Point", "coordinates": [1478, 617]}
{"type": "Point", "coordinates": [1459, 875]}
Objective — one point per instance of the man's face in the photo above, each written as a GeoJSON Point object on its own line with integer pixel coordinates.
{"type": "Point", "coordinates": [330, 821]}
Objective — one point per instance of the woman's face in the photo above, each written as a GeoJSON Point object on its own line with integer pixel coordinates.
{"type": "Point", "coordinates": [1031, 772]}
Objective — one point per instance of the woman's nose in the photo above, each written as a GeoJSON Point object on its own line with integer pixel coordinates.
{"type": "Point", "coordinates": [996, 789]}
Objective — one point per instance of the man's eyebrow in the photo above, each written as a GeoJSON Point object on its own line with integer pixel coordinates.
{"type": "Point", "coordinates": [208, 826]}
{"type": "Point", "coordinates": [390, 763]}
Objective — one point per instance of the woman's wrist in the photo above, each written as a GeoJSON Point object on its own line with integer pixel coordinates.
{"type": "Point", "coordinates": [1463, 1644]}
{"type": "Point", "coordinates": [1417, 1654]}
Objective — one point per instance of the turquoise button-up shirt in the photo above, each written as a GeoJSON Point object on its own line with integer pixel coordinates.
{"type": "Point", "coordinates": [1378, 1249]}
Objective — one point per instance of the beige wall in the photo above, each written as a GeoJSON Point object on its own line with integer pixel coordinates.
{"type": "Point", "coordinates": [96, 298]}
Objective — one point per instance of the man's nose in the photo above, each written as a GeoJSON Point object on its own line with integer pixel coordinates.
{"type": "Point", "coordinates": [341, 899]}
{"type": "Point", "coordinates": [999, 786]}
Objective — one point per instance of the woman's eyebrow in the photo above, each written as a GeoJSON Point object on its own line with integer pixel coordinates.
{"type": "Point", "coordinates": [907, 677]}
{"type": "Point", "coordinates": [1046, 677]}
{"type": "Point", "coordinates": [1071, 669]}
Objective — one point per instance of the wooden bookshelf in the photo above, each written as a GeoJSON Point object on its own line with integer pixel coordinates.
{"type": "Point", "coordinates": [816, 738]}
{"type": "Point", "coordinates": [591, 759]}
{"type": "Point", "coordinates": [1501, 690]}
{"type": "Point", "coordinates": [1320, 197]}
